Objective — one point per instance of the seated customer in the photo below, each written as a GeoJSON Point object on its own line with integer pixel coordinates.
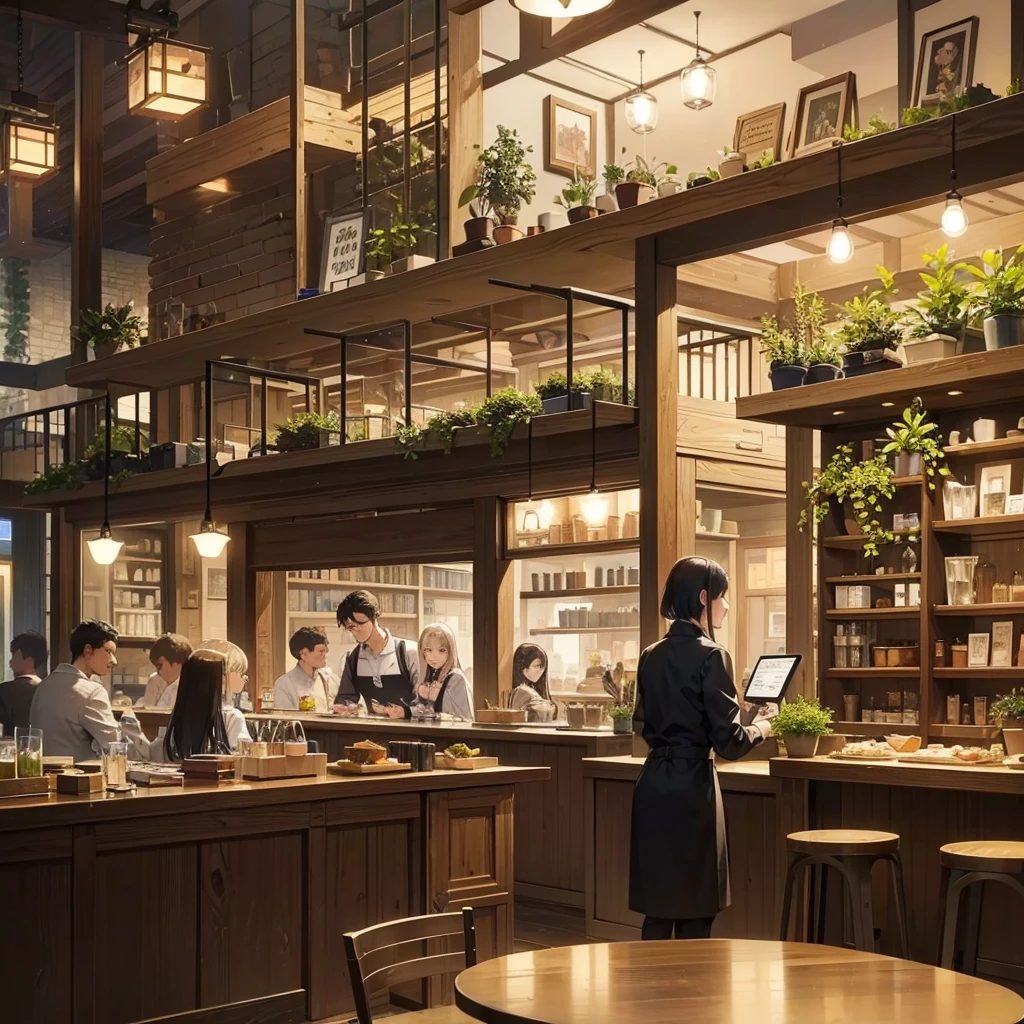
{"type": "Point", "coordinates": [200, 722]}
{"type": "Point", "coordinates": [444, 689]}
{"type": "Point", "coordinates": [530, 683]}
{"type": "Point", "coordinates": [236, 664]}
{"type": "Point", "coordinates": [167, 655]}
{"type": "Point", "coordinates": [381, 673]}
{"type": "Point", "coordinates": [309, 678]}
{"type": "Point", "coordinates": [28, 659]}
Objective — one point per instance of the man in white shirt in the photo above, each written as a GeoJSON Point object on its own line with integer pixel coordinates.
{"type": "Point", "coordinates": [167, 655]}
{"type": "Point", "coordinates": [381, 673]}
{"type": "Point", "coordinates": [309, 677]}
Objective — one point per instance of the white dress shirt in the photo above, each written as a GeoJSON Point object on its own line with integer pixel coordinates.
{"type": "Point", "coordinates": [295, 684]}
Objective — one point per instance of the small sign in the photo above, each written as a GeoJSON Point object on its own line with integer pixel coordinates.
{"type": "Point", "coordinates": [344, 250]}
{"type": "Point", "coordinates": [760, 130]}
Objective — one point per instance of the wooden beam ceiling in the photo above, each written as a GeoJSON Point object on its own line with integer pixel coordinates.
{"type": "Point", "coordinates": [95, 17]}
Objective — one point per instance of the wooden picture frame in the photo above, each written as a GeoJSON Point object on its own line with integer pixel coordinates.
{"type": "Point", "coordinates": [565, 151]}
{"type": "Point", "coordinates": [343, 254]}
{"type": "Point", "coordinates": [956, 44]}
{"type": "Point", "coordinates": [216, 584]}
{"type": "Point", "coordinates": [977, 650]}
{"type": "Point", "coordinates": [1002, 645]}
{"type": "Point", "coordinates": [759, 130]}
{"type": "Point", "coordinates": [993, 482]}
{"type": "Point", "coordinates": [823, 110]}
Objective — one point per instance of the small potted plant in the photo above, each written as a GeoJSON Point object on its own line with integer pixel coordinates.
{"type": "Point", "coordinates": [998, 297]}
{"type": "Point", "coordinates": [614, 175]}
{"type": "Point", "coordinates": [871, 329]}
{"type": "Point", "coordinates": [876, 125]}
{"type": "Point", "coordinates": [308, 430]}
{"type": "Point", "coordinates": [505, 182]}
{"type": "Point", "coordinates": [800, 724]}
{"type": "Point", "coordinates": [731, 163]}
{"type": "Point", "coordinates": [696, 178]}
{"type": "Point", "coordinates": [108, 332]}
{"type": "Point", "coordinates": [604, 385]}
{"type": "Point", "coordinates": [939, 317]}
{"type": "Point", "coordinates": [787, 349]}
{"type": "Point", "coordinates": [577, 198]}
{"type": "Point", "coordinates": [553, 392]}
{"type": "Point", "coordinates": [640, 186]}
{"type": "Point", "coordinates": [378, 253]}
{"type": "Point", "coordinates": [502, 412]}
{"type": "Point", "coordinates": [824, 360]}
{"type": "Point", "coordinates": [766, 159]}
{"type": "Point", "coordinates": [669, 183]}
{"type": "Point", "coordinates": [403, 238]}
{"type": "Point", "coordinates": [916, 446]}
{"type": "Point", "coordinates": [1008, 709]}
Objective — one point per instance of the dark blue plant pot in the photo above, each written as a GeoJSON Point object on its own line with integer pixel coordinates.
{"type": "Point", "coordinates": [783, 377]}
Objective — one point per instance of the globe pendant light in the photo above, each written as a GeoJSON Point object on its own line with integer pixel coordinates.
{"type": "Point", "coordinates": [104, 549]}
{"type": "Point", "coordinates": [954, 216]}
{"type": "Point", "coordinates": [560, 8]}
{"type": "Point", "coordinates": [698, 81]}
{"type": "Point", "coordinates": [642, 107]}
{"type": "Point", "coordinates": [840, 244]}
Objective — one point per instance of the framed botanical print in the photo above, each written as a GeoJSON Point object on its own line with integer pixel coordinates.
{"type": "Point", "coordinates": [823, 110]}
{"type": "Point", "coordinates": [571, 138]}
{"type": "Point", "coordinates": [946, 62]}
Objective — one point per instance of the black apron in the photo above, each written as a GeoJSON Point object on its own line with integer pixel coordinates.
{"type": "Point", "coordinates": [390, 689]}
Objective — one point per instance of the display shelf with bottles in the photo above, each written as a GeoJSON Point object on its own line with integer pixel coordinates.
{"type": "Point", "coordinates": [598, 522]}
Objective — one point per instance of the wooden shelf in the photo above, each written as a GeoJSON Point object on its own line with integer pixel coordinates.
{"type": "Point", "coordinates": [856, 540]}
{"type": "Point", "coordinates": [977, 611]}
{"type": "Point", "coordinates": [704, 535]}
{"type": "Point", "coordinates": [1017, 672]}
{"type": "Point", "coordinates": [559, 631]}
{"type": "Point", "coordinates": [597, 547]}
{"type": "Point", "coordinates": [354, 584]}
{"type": "Point", "coordinates": [876, 728]}
{"type": "Point", "coordinates": [555, 595]}
{"type": "Point", "coordinates": [907, 481]}
{"type": "Point", "coordinates": [873, 613]}
{"type": "Point", "coordinates": [988, 526]}
{"type": "Point", "coordinates": [154, 560]}
{"type": "Point", "coordinates": [464, 594]}
{"type": "Point", "coordinates": [874, 581]}
{"type": "Point", "coordinates": [132, 586]}
{"type": "Point", "coordinates": [976, 732]}
{"type": "Point", "coordinates": [876, 673]}
{"type": "Point", "coordinates": [1001, 446]}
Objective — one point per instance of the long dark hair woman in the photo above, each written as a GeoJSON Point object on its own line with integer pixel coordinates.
{"type": "Point", "coordinates": [197, 723]}
{"type": "Point", "coordinates": [686, 709]}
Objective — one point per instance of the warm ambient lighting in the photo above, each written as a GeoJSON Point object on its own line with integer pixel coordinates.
{"type": "Point", "coordinates": [167, 79]}
{"type": "Point", "coordinates": [595, 509]}
{"type": "Point", "coordinates": [840, 244]}
{"type": "Point", "coordinates": [642, 107]}
{"type": "Point", "coordinates": [839, 412]}
{"type": "Point", "coordinates": [560, 8]}
{"type": "Point", "coordinates": [216, 185]}
{"type": "Point", "coordinates": [30, 150]}
{"type": "Point", "coordinates": [699, 81]}
{"type": "Point", "coordinates": [545, 514]}
{"type": "Point", "coordinates": [954, 216]}
{"type": "Point", "coordinates": [209, 543]}
{"type": "Point", "coordinates": [954, 394]}
{"type": "Point", "coordinates": [888, 405]}
{"type": "Point", "coordinates": [104, 549]}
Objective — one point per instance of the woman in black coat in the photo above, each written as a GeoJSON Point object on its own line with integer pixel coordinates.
{"type": "Point", "coordinates": [686, 709]}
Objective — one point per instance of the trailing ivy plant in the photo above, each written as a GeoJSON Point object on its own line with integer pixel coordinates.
{"type": "Point", "coordinates": [65, 477]}
{"type": "Point", "coordinates": [862, 484]}
{"type": "Point", "coordinates": [443, 425]}
{"type": "Point", "coordinates": [915, 433]}
{"type": "Point", "coordinates": [409, 437]}
{"type": "Point", "coordinates": [503, 412]}
{"type": "Point", "coordinates": [16, 308]}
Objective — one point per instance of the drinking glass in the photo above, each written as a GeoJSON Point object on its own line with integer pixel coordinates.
{"type": "Point", "coordinates": [245, 746]}
{"type": "Point", "coordinates": [29, 744]}
{"type": "Point", "coordinates": [8, 758]}
{"type": "Point", "coordinates": [960, 579]}
{"type": "Point", "coordinates": [115, 764]}
{"type": "Point", "coordinates": [958, 500]}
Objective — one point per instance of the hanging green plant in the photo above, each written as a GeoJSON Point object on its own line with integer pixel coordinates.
{"type": "Point", "coordinates": [65, 477]}
{"type": "Point", "coordinates": [444, 424]}
{"type": "Point", "coordinates": [915, 434]}
{"type": "Point", "coordinates": [17, 304]}
{"type": "Point", "coordinates": [503, 412]}
{"type": "Point", "coordinates": [409, 437]}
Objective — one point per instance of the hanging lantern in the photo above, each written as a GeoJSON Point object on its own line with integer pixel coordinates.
{"type": "Point", "coordinates": [642, 107]}
{"type": "Point", "coordinates": [560, 8]}
{"type": "Point", "coordinates": [167, 79]}
{"type": "Point", "coordinates": [29, 150]}
{"type": "Point", "coordinates": [699, 80]}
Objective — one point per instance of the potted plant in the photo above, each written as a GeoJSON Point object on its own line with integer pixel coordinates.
{"type": "Point", "coordinates": [502, 412]}
{"type": "Point", "coordinates": [824, 360]}
{"type": "Point", "coordinates": [871, 329]}
{"type": "Point", "coordinates": [822, 353]}
{"type": "Point", "coordinates": [939, 317]}
{"type": "Point", "coordinates": [916, 446]}
{"type": "Point", "coordinates": [123, 457]}
{"type": "Point", "coordinates": [1009, 708]}
{"type": "Point", "coordinates": [669, 183]}
{"type": "Point", "coordinates": [108, 332]}
{"type": "Point", "coordinates": [787, 349]}
{"type": "Point", "coordinates": [731, 163]}
{"type": "Point", "coordinates": [641, 184]}
{"type": "Point", "coordinates": [876, 125]}
{"type": "Point", "coordinates": [705, 177]}
{"type": "Point", "coordinates": [443, 425]}
{"type": "Point", "coordinates": [67, 476]}
{"type": "Point", "coordinates": [505, 181]}
{"type": "Point", "coordinates": [307, 430]}
{"type": "Point", "coordinates": [998, 297]}
{"type": "Point", "coordinates": [553, 392]}
{"type": "Point", "coordinates": [402, 238]}
{"type": "Point", "coordinates": [614, 174]}
{"type": "Point", "coordinates": [604, 385]}
{"type": "Point", "coordinates": [577, 198]}
{"type": "Point", "coordinates": [800, 724]}
{"type": "Point", "coordinates": [378, 253]}
{"type": "Point", "coordinates": [766, 159]}
{"type": "Point", "coordinates": [851, 492]}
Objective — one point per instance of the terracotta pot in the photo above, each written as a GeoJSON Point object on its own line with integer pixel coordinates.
{"type": "Point", "coordinates": [478, 227]}
{"type": "Point", "coordinates": [506, 233]}
{"type": "Point", "coordinates": [1013, 738]}
{"type": "Point", "coordinates": [633, 193]}
{"type": "Point", "coordinates": [578, 213]}
{"type": "Point", "coordinates": [800, 746]}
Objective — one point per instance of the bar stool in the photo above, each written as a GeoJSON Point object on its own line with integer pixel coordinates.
{"type": "Point", "coordinates": [965, 866]}
{"type": "Point", "coordinates": [852, 852]}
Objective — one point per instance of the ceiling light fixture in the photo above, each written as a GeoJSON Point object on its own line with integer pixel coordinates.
{"type": "Point", "coordinates": [954, 394]}
{"type": "Point", "coordinates": [840, 244]}
{"type": "Point", "coordinates": [104, 549]}
{"type": "Point", "coordinates": [167, 79]}
{"type": "Point", "coordinates": [642, 107]}
{"type": "Point", "coordinates": [699, 80]}
{"type": "Point", "coordinates": [954, 216]}
{"type": "Point", "coordinates": [595, 505]}
{"type": "Point", "coordinates": [888, 405]}
{"type": "Point", "coordinates": [560, 8]}
{"type": "Point", "coordinates": [209, 541]}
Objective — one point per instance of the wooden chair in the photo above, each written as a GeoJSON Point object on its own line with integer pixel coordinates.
{"type": "Point", "coordinates": [385, 955]}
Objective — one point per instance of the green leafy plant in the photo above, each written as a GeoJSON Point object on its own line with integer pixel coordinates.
{"type": "Point", "coordinates": [623, 707]}
{"type": "Point", "coordinates": [17, 302]}
{"type": "Point", "coordinates": [802, 717]}
{"type": "Point", "coordinates": [650, 173]}
{"type": "Point", "coordinates": [942, 307]}
{"type": "Point", "coordinates": [708, 172]}
{"type": "Point", "coordinates": [444, 424]}
{"type": "Point", "coordinates": [862, 484]}
{"type": "Point", "coordinates": [614, 174]}
{"type": "Point", "coordinates": [116, 325]}
{"type": "Point", "coordinates": [505, 181]}
{"type": "Point", "coordinates": [1013, 88]}
{"type": "Point", "coordinates": [915, 115]}
{"type": "Point", "coordinates": [579, 192]}
{"type": "Point", "coordinates": [824, 351]}
{"type": "Point", "coordinates": [877, 125]}
{"type": "Point", "coordinates": [305, 431]}
{"type": "Point", "coordinates": [999, 283]}
{"type": "Point", "coordinates": [766, 159]}
{"type": "Point", "coordinates": [791, 345]}
{"type": "Point", "coordinates": [378, 249]}
{"type": "Point", "coordinates": [600, 382]}
{"type": "Point", "coordinates": [122, 439]}
{"type": "Point", "coordinates": [554, 385]}
{"type": "Point", "coordinates": [915, 433]}
{"type": "Point", "coordinates": [503, 412]}
{"type": "Point", "coordinates": [1008, 707]}
{"type": "Point", "coordinates": [65, 477]}
{"type": "Point", "coordinates": [868, 321]}
{"type": "Point", "coordinates": [409, 437]}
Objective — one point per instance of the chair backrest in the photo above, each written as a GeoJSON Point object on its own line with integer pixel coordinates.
{"type": "Point", "coordinates": [389, 954]}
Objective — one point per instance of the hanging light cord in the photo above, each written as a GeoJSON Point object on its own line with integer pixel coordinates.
{"type": "Point", "coordinates": [839, 197]}
{"type": "Point", "coordinates": [952, 168]}
{"type": "Point", "coordinates": [696, 16]}
{"type": "Point", "coordinates": [529, 458]}
{"type": "Point", "coordinates": [593, 444]}
{"type": "Point", "coordinates": [21, 51]}
{"type": "Point", "coordinates": [641, 52]}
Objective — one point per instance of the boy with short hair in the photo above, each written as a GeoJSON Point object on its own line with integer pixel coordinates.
{"type": "Point", "coordinates": [167, 655]}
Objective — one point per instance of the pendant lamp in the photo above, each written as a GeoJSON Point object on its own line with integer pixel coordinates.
{"type": "Point", "coordinates": [840, 244]}
{"type": "Point", "coordinates": [209, 541]}
{"type": "Point", "coordinates": [642, 107]}
{"type": "Point", "coordinates": [560, 8]}
{"type": "Point", "coordinates": [595, 505]}
{"type": "Point", "coordinates": [104, 549]}
{"type": "Point", "coordinates": [954, 216]}
{"type": "Point", "coordinates": [699, 80]}
{"type": "Point", "coordinates": [167, 79]}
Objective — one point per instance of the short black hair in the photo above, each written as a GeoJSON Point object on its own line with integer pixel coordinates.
{"type": "Point", "coordinates": [305, 638]}
{"type": "Point", "coordinates": [686, 579]}
{"type": "Point", "coordinates": [173, 647]}
{"type": "Point", "coordinates": [91, 633]}
{"type": "Point", "coordinates": [32, 645]}
{"type": "Point", "coordinates": [359, 602]}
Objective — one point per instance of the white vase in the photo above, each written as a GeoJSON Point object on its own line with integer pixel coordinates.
{"type": "Point", "coordinates": [550, 221]}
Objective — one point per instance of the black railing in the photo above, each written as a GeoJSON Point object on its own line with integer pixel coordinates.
{"type": "Point", "coordinates": [718, 361]}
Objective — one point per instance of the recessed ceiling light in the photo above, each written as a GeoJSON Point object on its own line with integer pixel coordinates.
{"type": "Point", "coordinates": [839, 412]}
{"type": "Point", "coordinates": [953, 394]}
{"type": "Point", "coordinates": [888, 405]}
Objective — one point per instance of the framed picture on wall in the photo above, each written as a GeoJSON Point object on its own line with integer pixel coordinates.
{"type": "Point", "coordinates": [946, 62]}
{"type": "Point", "coordinates": [823, 110]}
{"type": "Point", "coordinates": [760, 131]}
{"type": "Point", "coordinates": [571, 138]}
{"type": "Point", "coordinates": [217, 584]}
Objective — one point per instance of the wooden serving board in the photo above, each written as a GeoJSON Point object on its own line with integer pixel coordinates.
{"type": "Point", "coordinates": [995, 762]}
{"type": "Point", "coordinates": [25, 787]}
{"type": "Point", "coordinates": [354, 768]}
{"type": "Point", "coordinates": [281, 767]}
{"type": "Point", "coordinates": [839, 756]}
{"type": "Point", "coordinates": [464, 763]}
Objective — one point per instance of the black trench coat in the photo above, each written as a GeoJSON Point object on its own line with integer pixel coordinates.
{"type": "Point", "coordinates": [686, 708]}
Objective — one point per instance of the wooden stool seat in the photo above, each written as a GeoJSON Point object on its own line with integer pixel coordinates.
{"type": "Point", "coordinates": [984, 856]}
{"type": "Point", "coordinates": [845, 842]}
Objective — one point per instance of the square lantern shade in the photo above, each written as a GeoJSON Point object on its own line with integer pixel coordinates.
{"type": "Point", "coordinates": [29, 149]}
{"type": "Point", "coordinates": [167, 79]}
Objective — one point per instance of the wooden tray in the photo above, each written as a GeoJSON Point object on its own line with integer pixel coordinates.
{"type": "Point", "coordinates": [79, 785]}
{"type": "Point", "coordinates": [281, 767]}
{"type": "Point", "coordinates": [875, 758]}
{"type": "Point", "coordinates": [464, 763]}
{"type": "Point", "coordinates": [995, 762]}
{"type": "Point", "coordinates": [500, 716]}
{"type": "Point", "coordinates": [352, 768]}
{"type": "Point", "coordinates": [153, 775]}
{"type": "Point", "coordinates": [25, 787]}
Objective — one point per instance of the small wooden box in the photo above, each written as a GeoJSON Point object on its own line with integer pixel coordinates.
{"type": "Point", "coordinates": [25, 787]}
{"type": "Point", "coordinates": [284, 767]}
{"type": "Point", "coordinates": [354, 768]}
{"type": "Point", "coordinates": [79, 785]}
{"type": "Point", "coordinates": [511, 716]}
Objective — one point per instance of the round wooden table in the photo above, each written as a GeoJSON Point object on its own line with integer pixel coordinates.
{"type": "Point", "coordinates": [722, 981]}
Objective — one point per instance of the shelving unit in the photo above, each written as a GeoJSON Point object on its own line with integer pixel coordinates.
{"type": "Point", "coordinates": [874, 613]}
{"type": "Point", "coordinates": [570, 631]}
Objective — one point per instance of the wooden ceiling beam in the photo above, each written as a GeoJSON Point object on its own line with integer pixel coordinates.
{"type": "Point", "coordinates": [96, 17]}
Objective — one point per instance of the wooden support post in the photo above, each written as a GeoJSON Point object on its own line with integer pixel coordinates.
{"type": "Point", "coordinates": [657, 386]}
{"type": "Point", "coordinates": [297, 113]}
{"type": "Point", "coordinates": [493, 604]}
{"type": "Point", "coordinates": [87, 198]}
{"type": "Point", "coordinates": [799, 560]}
{"type": "Point", "coordinates": [242, 611]}
{"type": "Point", "coordinates": [64, 563]}
{"type": "Point", "coordinates": [465, 112]}
{"type": "Point", "coordinates": [905, 37]}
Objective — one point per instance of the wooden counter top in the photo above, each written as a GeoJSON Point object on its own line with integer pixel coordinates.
{"type": "Point", "coordinates": [736, 776]}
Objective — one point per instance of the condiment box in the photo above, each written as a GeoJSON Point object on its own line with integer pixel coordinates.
{"type": "Point", "coordinates": [79, 783]}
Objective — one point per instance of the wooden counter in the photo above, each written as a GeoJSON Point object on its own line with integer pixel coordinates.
{"type": "Point", "coordinates": [171, 902]}
{"type": "Point", "coordinates": [749, 794]}
{"type": "Point", "coordinates": [549, 830]}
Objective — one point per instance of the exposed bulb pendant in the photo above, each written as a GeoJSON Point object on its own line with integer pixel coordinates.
{"type": "Point", "coordinates": [560, 8]}
{"type": "Point", "coordinates": [954, 216]}
{"type": "Point", "coordinates": [642, 107]}
{"type": "Point", "coordinates": [545, 514]}
{"type": "Point", "coordinates": [595, 509]}
{"type": "Point", "coordinates": [840, 244]}
{"type": "Point", "coordinates": [209, 542]}
{"type": "Point", "coordinates": [699, 80]}
{"type": "Point", "coordinates": [104, 549]}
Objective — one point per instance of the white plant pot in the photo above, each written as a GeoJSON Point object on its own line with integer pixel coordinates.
{"type": "Point", "coordinates": [930, 348]}
{"type": "Point", "coordinates": [606, 203]}
{"type": "Point", "coordinates": [550, 221]}
{"type": "Point", "coordinates": [669, 188]}
{"type": "Point", "coordinates": [414, 262]}
{"type": "Point", "coordinates": [732, 165]}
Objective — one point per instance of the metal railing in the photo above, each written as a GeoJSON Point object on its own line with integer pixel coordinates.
{"type": "Point", "coordinates": [719, 362]}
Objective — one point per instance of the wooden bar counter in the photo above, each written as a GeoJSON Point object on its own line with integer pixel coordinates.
{"type": "Point", "coordinates": [549, 843]}
{"type": "Point", "coordinates": [217, 905]}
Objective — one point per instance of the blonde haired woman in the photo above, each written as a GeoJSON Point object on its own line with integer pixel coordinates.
{"type": "Point", "coordinates": [443, 689]}
{"type": "Point", "coordinates": [236, 664]}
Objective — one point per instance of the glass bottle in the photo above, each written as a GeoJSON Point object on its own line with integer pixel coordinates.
{"type": "Point", "coordinates": [908, 560]}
